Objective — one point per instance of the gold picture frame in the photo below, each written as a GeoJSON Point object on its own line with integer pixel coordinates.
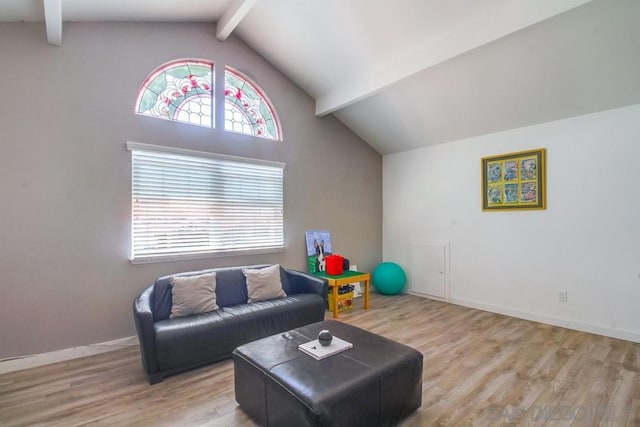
{"type": "Point", "coordinates": [514, 181]}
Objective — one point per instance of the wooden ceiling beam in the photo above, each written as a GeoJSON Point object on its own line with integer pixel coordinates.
{"type": "Point", "coordinates": [230, 19]}
{"type": "Point", "coordinates": [53, 21]}
{"type": "Point", "coordinates": [512, 17]}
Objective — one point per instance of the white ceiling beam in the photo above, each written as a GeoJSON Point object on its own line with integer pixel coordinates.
{"type": "Point", "coordinates": [53, 21]}
{"type": "Point", "coordinates": [495, 24]}
{"type": "Point", "coordinates": [230, 19]}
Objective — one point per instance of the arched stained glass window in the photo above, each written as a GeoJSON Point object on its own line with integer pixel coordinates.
{"type": "Point", "coordinates": [247, 109]}
{"type": "Point", "coordinates": [179, 90]}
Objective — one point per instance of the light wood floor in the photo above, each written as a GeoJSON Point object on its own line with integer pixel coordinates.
{"type": "Point", "coordinates": [479, 369]}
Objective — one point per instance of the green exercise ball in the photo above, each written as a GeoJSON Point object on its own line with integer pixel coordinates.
{"type": "Point", "coordinates": [389, 278]}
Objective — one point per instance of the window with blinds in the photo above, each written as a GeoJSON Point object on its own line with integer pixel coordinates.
{"type": "Point", "coordinates": [188, 204]}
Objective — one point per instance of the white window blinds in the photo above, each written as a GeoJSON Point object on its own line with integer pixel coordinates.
{"type": "Point", "coordinates": [189, 204]}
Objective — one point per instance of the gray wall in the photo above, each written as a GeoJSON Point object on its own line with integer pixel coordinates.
{"type": "Point", "coordinates": [65, 115]}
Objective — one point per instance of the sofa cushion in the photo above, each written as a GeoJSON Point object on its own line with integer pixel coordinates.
{"type": "Point", "coordinates": [185, 342]}
{"type": "Point", "coordinates": [278, 315]}
{"type": "Point", "coordinates": [232, 289]}
{"type": "Point", "coordinates": [264, 283]}
{"type": "Point", "coordinates": [286, 283]}
{"type": "Point", "coordinates": [193, 294]}
{"type": "Point", "coordinates": [191, 340]}
{"type": "Point", "coordinates": [162, 294]}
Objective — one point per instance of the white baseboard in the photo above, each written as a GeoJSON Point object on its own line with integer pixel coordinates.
{"type": "Point", "coordinates": [24, 362]}
{"type": "Point", "coordinates": [569, 324]}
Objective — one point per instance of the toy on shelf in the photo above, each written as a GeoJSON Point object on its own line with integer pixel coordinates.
{"type": "Point", "coordinates": [345, 298]}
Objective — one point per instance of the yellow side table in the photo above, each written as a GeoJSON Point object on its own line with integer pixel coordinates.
{"type": "Point", "coordinates": [344, 279]}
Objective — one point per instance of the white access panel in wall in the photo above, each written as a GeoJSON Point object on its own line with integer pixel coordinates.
{"type": "Point", "coordinates": [430, 269]}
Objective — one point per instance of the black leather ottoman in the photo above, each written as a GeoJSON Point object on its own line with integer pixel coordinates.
{"type": "Point", "coordinates": [377, 382]}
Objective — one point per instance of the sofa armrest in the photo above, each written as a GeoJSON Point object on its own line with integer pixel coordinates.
{"type": "Point", "coordinates": [143, 316]}
{"type": "Point", "coordinates": [303, 283]}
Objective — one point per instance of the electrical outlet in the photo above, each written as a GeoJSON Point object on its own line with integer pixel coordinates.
{"type": "Point", "coordinates": [562, 295]}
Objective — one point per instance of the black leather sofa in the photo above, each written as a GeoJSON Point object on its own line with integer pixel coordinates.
{"type": "Point", "coordinates": [172, 345]}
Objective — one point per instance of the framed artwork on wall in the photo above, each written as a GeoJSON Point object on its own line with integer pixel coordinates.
{"type": "Point", "coordinates": [514, 181]}
{"type": "Point", "coordinates": [318, 247]}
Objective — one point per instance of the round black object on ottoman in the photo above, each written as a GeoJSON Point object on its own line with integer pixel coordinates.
{"type": "Point", "coordinates": [325, 337]}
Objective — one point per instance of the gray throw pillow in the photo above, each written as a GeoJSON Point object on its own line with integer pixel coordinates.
{"type": "Point", "coordinates": [264, 283]}
{"type": "Point", "coordinates": [193, 294]}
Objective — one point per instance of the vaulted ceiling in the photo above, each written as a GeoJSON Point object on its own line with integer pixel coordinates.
{"type": "Point", "coordinates": [404, 74]}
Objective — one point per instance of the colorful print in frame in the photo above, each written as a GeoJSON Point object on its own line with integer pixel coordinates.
{"type": "Point", "coordinates": [514, 181]}
{"type": "Point", "coordinates": [318, 244]}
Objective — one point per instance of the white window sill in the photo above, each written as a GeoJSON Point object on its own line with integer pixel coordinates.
{"type": "Point", "coordinates": [186, 257]}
